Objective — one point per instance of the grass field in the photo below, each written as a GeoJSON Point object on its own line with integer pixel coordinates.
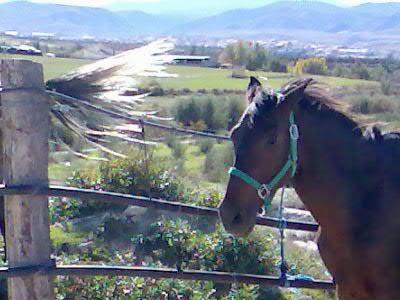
{"type": "Point", "coordinates": [193, 78]}
{"type": "Point", "coordinates": [196, 78]}
{"type": "Point", "coordinates": [52, 67]}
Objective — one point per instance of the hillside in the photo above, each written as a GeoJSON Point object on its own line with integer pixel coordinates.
{"type": "Point", "coordinates": [74, 21]}
{"type": "Point", "coordinates": [144, 23]}
{"type": "Point", "coordinates": [78, 21]}
{"type": "Point", "coordinates": [309, 16]}
{"type": "Point", "coordinates": [304, 20]}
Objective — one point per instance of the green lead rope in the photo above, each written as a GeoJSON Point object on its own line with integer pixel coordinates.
{"type": "Point", "coordinates": [265, 190]}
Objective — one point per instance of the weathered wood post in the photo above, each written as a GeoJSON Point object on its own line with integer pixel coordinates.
{"type": "Point", "coordinates": [25, 126]}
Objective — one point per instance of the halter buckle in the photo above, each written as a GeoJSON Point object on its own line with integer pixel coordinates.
{"type": "Point", "coordinates": [294, 132]}
{"type": "Point", "coordinates": [264, 192]}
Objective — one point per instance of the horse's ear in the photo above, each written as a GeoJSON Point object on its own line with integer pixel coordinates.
{"type": "Point", "coordinates": [252, 89]}
{"type": "Point", "coordinates": [294, 92]}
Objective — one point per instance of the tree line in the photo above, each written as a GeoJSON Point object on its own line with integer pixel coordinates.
{"type": "Point", "coordinates": [253, 56]}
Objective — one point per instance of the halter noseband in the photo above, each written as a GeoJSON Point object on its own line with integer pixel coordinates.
{"type": "Point", "coordinates": [264, 191]}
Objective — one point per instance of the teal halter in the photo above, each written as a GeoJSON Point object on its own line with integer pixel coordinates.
{"type": "Point", "coordinates": [264, 191]}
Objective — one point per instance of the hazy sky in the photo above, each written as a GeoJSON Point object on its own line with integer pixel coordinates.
{"type": "Point", "coordinates": [193, 7]}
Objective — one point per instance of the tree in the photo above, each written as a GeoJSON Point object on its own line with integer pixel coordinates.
{"type": "Point", "coordinates": [240, 52]}
{"type": "Point", "coordinates": [257, 58]}
{"type": "Point", "coordinates": [209, 114]}
{"type": "Point", "coordinates": [313, 65]}
{"type": "Point", "coordinates": [188, 113]}
{"type": "Point", "coordinates": [339, 71]}
{"type": "Point", "coordinates": [391, 64]}
{"type": "Point", "coordinates": [235, 110]}
{"type": "Point", "coordinates": [360, 71]}
{"type": "Point", "coordinates": [276, 65]}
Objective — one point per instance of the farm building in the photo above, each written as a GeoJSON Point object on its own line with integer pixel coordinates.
{"type": "Point", "coordinates": [22, 49]}
{"type": "Point", "coordinates": [191, 60]}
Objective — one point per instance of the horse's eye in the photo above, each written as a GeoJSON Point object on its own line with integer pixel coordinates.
{"type": "Point", "coordinates": [271, 140]}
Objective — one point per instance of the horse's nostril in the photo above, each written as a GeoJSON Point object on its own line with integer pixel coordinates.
{"type": "Point", "coordinates": [261, 211]}
{"type": "Point", "coordinates": [237, 219]}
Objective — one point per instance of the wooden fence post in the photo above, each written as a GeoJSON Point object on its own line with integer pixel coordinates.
{"type": "Point", "coordinates": [25, 124]}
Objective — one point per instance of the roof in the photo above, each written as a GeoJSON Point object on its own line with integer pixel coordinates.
{"type": "Point", "coordinates": [190, 57]}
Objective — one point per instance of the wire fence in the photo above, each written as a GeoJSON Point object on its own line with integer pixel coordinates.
{"type": "Point", "coordinates": [160, 204]}
{"type": "Point", "coordinates": [33, 266]}
{"type": "Point", "coordinates": [157, 273]}
{"type": "Point", "coordinates": [160, 273]}
{"type": "Point", "coordinates": [139, 120]}
{"type": "Point", "coordinates": [125, 199]}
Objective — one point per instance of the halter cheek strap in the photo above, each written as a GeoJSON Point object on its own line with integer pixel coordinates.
{"type": "Point", "coordinates": [264, 191]}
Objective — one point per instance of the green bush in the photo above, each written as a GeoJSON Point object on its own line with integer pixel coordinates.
{"type": "Point", "coordinates": [177, 147]}
{"type": "Point", "coordinates": [154, 88]}
{"type": "Point", "coordinates": [373, 104]}
{"type": "Point", "coordinates": [188, 112]}
{"type": "Point", "coordinates": [206, 145]}
{"type": "Point", "coordinates": [176, 243]}
{"type": "Point", "coordinates": [235, 110]}
{"type": "Point", "coordinates": [131, 175]}
{"type": "Point", "coordinates": [360, 71]}
{"type": "Point", "coordinates": [253, 57]}
{"type": "Point", "coordinates": [63, 209]}
{"type": "Point", "coordinates": [218, 161]}
{"type": "Point", "coordinates": [312, 65]}
{"type": "Point", "coordinates": [60, 237]}
{"type": "Point", "coordinates": [386, 85]}
{"type": "Point", "coordinates": [276, 65]}
{"type": "Point", "coordinates": [216, 112]}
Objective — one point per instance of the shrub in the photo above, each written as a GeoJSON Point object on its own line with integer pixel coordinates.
{"type": "Point", "coordinates": [177, 243]}
{"type": "Point", "coordinates": [340, 71]}
{"type": "Point", "coordinates": [213, 112]}
{"type": "Point", "coordinates": [59, 132]}
{"type": "Point", "coordinates": [360, 71]}
{"type": "Point", "coordinates": [251, 56]}
{"type": "Point", "coordinates": [386, 85]}
{"type": "Point", "coordinates": [178, 149]}
{"type": "Point", "coordinates": [157, 92]}
{"type": "Point", "coordinates": [218, 161]}
{"type": "Point", "coordinates": [155, 88]}
{"type": "Point", "coordinates": [275, 65]}
{"type": "Point", "coordinates": [390, 83]}
{"type": "Point", "coordinates": [373, 104]}
{"type": "Point", "coordinates": [131, 175]}
{"type": "Point", "coordinates": [188, 111]}
{"type": "Point", "coordinates": [235, 110]}
{"type": "Point", "coordinates": [206, 145]}
{"type": "Point", "coordinates": [60, 237]}
{"type": "Point", "coordinates": [314, 65]}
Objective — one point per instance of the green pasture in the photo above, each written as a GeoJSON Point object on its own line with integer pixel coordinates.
{"type": "Point", "coordinates": [52, 66]}
{"type": "Point", "coordinates": [196, 78]}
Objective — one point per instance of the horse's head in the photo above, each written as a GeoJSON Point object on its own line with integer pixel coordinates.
{"type": "Point", "coordinates": [262, 145]}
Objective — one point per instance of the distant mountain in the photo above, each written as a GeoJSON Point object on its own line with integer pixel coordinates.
{"type": "Point", "coordinates": [78, 21]}
{"type": "Point", "coordinates": [75, 21]}
{"type": "Point", "coordinates": [301, 19]}
{"type": "Point", "coordinates": [300, 15]}
{"type": "Point", "coordinates": [154, 24]}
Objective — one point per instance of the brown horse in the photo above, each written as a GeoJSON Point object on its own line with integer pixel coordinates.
{"type": "Point", "coordinates": [347, 177]}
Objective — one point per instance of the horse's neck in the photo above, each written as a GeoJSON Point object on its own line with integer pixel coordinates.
{"type": "Point", "coordinates": [331, 158]}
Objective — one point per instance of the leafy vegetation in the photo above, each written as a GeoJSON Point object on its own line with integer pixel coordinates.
{"type": "Point", "coordinates": [253, 57]}
{"type": "Point", "coordinates": [185, 242]}
{"type": "Point", "coordinates": [60, 237]}
{"type": "Point", "coordinates": [218, 160]}
{"type": "Point", "coordinates": [210, 112]}
{"type": "Point", "coordinates": [189, 171]}
{"type": "Point", "coordinates": [313, 65]}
